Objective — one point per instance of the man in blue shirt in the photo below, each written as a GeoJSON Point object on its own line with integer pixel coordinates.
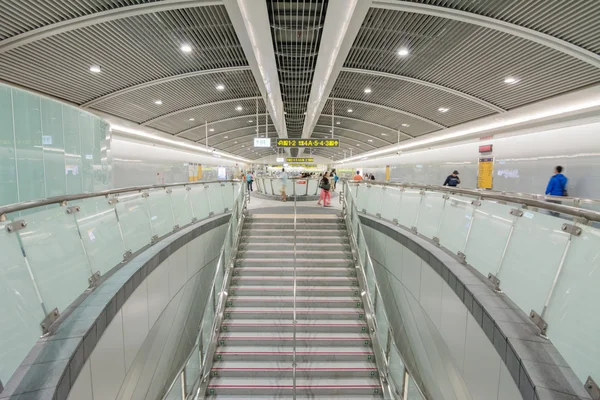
{"type": "Point", "coordinates": [452, 180]}
{"type": "Point", "coordinates": [557, 186]}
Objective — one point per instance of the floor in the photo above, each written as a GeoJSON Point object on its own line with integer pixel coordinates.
{"type": "Point", "coordinates": [262, 206]}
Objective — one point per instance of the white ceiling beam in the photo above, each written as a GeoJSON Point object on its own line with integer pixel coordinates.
{"type": "Point", "coordinates": [250, 18]}
{"type": "Point", "coordinates": [428, 84]}
{"type": "Point", "coordinates": [395, 110]}
{"type": "Point", "coordinates": [342, 23]}
{"type": "Point", "coordinates": [155, 82]}
{"type": "Point", "coordinates": [491, 23]}
{"type": "Point", "coordinates": [161, 117]}
{"type": "Point", "coordinates": [98, 18]}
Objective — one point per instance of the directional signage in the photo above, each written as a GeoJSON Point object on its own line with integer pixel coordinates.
{"type": "Point", "coordinates": [308, 143]}
{"type": "Point", "coordinates": [299, 160]}
{"type": "Point", "coordinates": [262, 142]}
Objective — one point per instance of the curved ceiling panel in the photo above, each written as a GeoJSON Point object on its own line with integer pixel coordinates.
{"type": "Point", "coordinates": [218, 129]}
{"type": "Point", "coordinates": [129, 51]}
{"type": "Point", "coordinates": [27, 15]}
{"type": "Point", "coordinates": [411, 97]}
{"type": "Point", "coordinates": [368, 129]}
{"type": "Point", "coordinates": [577, 22]}
{"type": "Point", "coordinates": [138, 105]}
{"type": "Point", "coordinates": [180, 121]}
{"type": "Point", "coordinates": [228, 136]}
{"type": "Point", "coordinates": [347, 138]}
{"type": "Point", "coordinates": [382, 116]}
{"type": "Point", "coordinates": [466, 57]}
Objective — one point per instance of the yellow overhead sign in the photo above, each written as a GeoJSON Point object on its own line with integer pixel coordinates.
{"type": "Point", "coordinates": [308, 143]}
{"type": "Point", "coordinates": [299, 160]}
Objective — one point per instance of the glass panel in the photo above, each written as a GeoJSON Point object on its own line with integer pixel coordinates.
{"type": "Point", "coordinates": [489, 233]}
{"type": "Point", "coordinates": [572, 328]}
{"type": "Point", "coordinates": [227, 191]}
{"type": "Point", "coordinates": [430, 214]}
{"type": "Point", "coordinates": [192, 369]}
{"type": "Point", "coordinates": [86, 129]}
{"type": "Point", "coordinates": [313, 186]}
{"type": "Point", "coordinates": [532, 258]}
{"type": "Point", "coordinates": [456, 220]}
{"type": "Point", "coordinates": [374, 196]}
{"type": "Point", "coordinates": [100, 233]}
{"type": "Point", "coordinates": [8, 167]}
{"type": "Point", "coordinates": [54, 151]}
{"type": "Point", "coordinates": [161, 212]}
{"type": "Point", "coordinates": [73, 163]}
{"type": "Point", "coordinates": [175, 392]}
{"type": "Point", "coordinates": [182, 207]}
{"type": "Point", "coordinates": [390, 202]}
{"type": "Point", "coordinates": [382, 322]}
{"type": "Point", "coordinates": [207, 323]}
{"type": "Point", "coordinates": [396, 368]}
{"type": "Point", "coordinates": [21, 309]}
{"type": "Point", "coordinates": [276, 184]}
{"type": "Point", "coordinates": [53, 247]}
{"type": "Point", "coordinates": [362, 245]}
{"type": "Point", "coordinates": [28, 134]}
{"type": "Point", "coordinates": [413, 392]}
{"type": "Point", "coordinates": [199, 197]}
{"type": "Point", "coordinates": [409, 206]}
{"type": "Point", "coordinates": [361, 197]}
{"type": "Point", "coordinates": [215, 198]}
{"type": "Point", "coordinates": [134, 221]}
{"type": "Point", "coordinates": [289, 188]}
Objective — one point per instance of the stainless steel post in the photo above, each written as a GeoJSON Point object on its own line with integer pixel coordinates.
{"type": "Point", "coordinates": [295, 322]}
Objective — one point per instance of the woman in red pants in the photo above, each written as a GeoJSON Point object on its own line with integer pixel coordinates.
{"type": "Point", "coordinates": [325, 186]}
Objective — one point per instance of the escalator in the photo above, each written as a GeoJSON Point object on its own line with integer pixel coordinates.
{"type": "Point", "coordinates": [286, 266]}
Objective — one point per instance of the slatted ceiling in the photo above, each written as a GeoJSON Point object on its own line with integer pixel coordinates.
{"type": "Point", "coordinates": [346, 139]}
{"type": "Point", "coordinates": [360, 126]}
{"type": "Point", "coordinates": [218, 138]}
{"type": "Point", "coordinates": [130, 51]}
{"type": "Point", "coordinates": [222, 128]}
{"type": "Point", "coordinates": [178, 122]}
{"type": "Point", "coordinates": [377, 115]}
{"type": "Point", "coordinates": [576, 21]}
{"type": "Point", "coordinates": [247, 142]}
{"type": "Point", "coordinates": [296, 29]}
{"type": "Point", "coordinates": [20, 16]}
{"type": "Point", "coordinates": [465, 57]}
{"type": "Point", "coordinates": [139, 105]}
{"type": "Point", "coordinates": [414, 98]}
{"type": "Point", "coordinates": [321, 131]}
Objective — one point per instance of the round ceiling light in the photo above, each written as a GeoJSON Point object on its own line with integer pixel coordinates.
{"type": "Point", "coordinates": [403, 52]}
{"type": "Point", "coordinates": [220, 87]}
{"type": "Point", "coordinates": [186, 48]}
{"type": "Point", "coordinates": [95, 69]}
{"type": "Point", "coordinates": [511, 80]}
{"type": "Point", "coordinates": [368, 90]}
{"type": "Point", "coordinates": [158, 102]}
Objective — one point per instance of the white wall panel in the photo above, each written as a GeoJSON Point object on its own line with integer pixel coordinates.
{"type": "Point", "coordinates": [482, 363]}
{"type": "Point", "coordinates": [158, 288]}
{"type": "Point", "coordinates": [135, 322]}
{"type": "Point", "coordinates": [431, 295]}
{"type": "Point", "coordinates": [82, 389]}
{"type": "Point", "coordinates": [177, 270]}
{"type": "Point", "coordinates": [454, 324]}
{"type": "Point", "coordinates": [108, 360]}
{"type": "Point", "coordinates": [195, 255]}
{"type": "Point", "coordinates": [411, 272]}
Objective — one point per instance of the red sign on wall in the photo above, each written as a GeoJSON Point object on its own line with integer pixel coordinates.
{"type": "Point", "coordinates": [485, 148]}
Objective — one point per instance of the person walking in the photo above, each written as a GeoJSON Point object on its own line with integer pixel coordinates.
{"type": "Point", "coordinates": [452, 180]}
{"type": "Point", "coordinates": [557, 186]}
{"type": "Point", "coordinates": [335, 178]}
{"type": "Point", "coordinates": [357, 177]}
{"type": "Point", "coordinates": [284, 178]}
{"type": "Point", "coordinates": [249, 180]}
{"type": "Point", "coordinates": [372, 177]}
{"type": "Point", "coordinates": [325, 186]}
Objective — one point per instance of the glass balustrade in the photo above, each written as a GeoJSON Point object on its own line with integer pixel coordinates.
{"type": "Point", "coordinates": [545, 261]}
{"type": "Point", "coordinates": [50, 251]}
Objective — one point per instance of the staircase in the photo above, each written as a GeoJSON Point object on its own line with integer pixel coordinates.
{"type": "Point", "coordinates": [333, 348]}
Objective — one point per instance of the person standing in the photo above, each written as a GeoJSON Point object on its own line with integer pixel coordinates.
{"type": "Point", "coordinates": [372, 177]}
{"type": "Point", "coordinates": [357, 177]}
{"type": "Point", "coordinates": [249, 180]}
{"type": "Point", "coordinates": [335, 179]}
{"type": "Point", "coordinates": [284, 178]}
{"type": "Point", "coordinates": [325, 186]}
{"type": "Point", "coordinates": [452, 180]}
{"type": "Point", "coordinates": [557, 186]}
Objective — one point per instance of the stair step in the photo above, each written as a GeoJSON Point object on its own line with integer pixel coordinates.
{"type": "Point", "coordinates": [325, 313]}
{"type": "Point", "coordinates": [330, 219]}
{"type": "Point", "coordinates": [287, 339]}
{"type": "Point", "coordinates": [333, 291]}
{"type": "Point", "coordinates": [299, 262]}
{"type": "Point", "coordinates": [303, 354]}
{"type": "Point", "coordinates": [280, 397]}
{"type": "Point", "coordinates": [317, 369]}
{"type": "Point", "coordinates": [288, 253]}
{"type": "Point", "coordinates": [289, 281]}
{"type": "Point", "coordinates": [287, 325]}
{"type": "Point", "coordinates": [283, 239]}
{"type": "Point", "coordinates": [289, 271]}
{"type": "Point", "coordinates": [285, 386]}
{"type": "Point", "coordinates": [301, 301]}
{"type": "Point", "coordinates": [290, 232]}
{"type": "Point", "coordinates": [299, 224]}
{"type": "Point", "coordinates": [299, 246]}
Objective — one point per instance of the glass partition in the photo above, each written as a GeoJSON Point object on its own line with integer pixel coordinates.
{"type": "Point", "coordinates": [49, 253]}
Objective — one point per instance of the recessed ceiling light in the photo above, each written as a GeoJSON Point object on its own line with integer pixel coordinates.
{"type": "Point", "coordinates": [211, 130]}
{"type": "Point", "coordinates": [370, 140]}
{"type": "Point", "coordinates": [95, 68]}
{"type": "Point", "coordinates": [186, 48]}
{"type": "Point", "coordinates": [337, 123]}
{"type": "Point", "coordinates": [330, 130]}
{"type": "Point", "coordinates": [357, 145]}
{"type": "Point", "coordinates": [243, 146]}
{"type": "Point", "coordinates": [304, 112]}
{"type": "Point", "coordinates": [250, 121]}
{"type": "Point", "coordinates": [384, 134]}
{"type": "Point", "coordinates": [443, 109]}
{"type": "Point", "coordinates": [220, 87]}
{"type": "Point", "coordinates": [350, 110]}
{"type": "Point", "coordinates": [405, 125]}
{"type": "Point", "coordinates": [403, 52]}
{"type": "Point", "coordinates": [234, 142]}
{"type": "Point", "coordinates": [368, 90]}
{"type": "Point", "coordinates": [158, 102]}
{"type": "Point", "coordinates": [511, 80]}
{"type": "Point", "coordinates": [239, 108]}
{"type": "Point", "coordinates": [191, 119]}
{"type": "Point", "coordinates": [225, 137]}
